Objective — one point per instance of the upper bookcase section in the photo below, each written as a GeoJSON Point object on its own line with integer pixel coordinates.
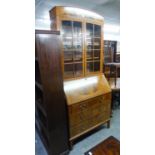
{"type": "Point", "coordinates": [62, 12]}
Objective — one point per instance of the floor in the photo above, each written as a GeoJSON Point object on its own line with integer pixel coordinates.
{"type": "Point", "coordinates": [90, 140]}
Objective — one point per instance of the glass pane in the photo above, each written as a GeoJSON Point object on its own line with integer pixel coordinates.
{"type": "Point", "coordinates": [96, 66]}
{"type": "Point", "coordinates": [77, 43]}
{"type": "Point", "coordinates": [66, 28]}
{"type": "Point", "coordinates": [89, 43]}
{"type": "Point", "coordinates": [90, 55]}
{"type": "Point", "coordinates": [68, 70]}
{"type": "Point", "coordinates": [68, 56]}
{"type": "Point", "coordinates": [89, 66]}
{"type": "Point", "coordinates": [97, 43]}
{"type": "Point", "coordinates": [77, 29]}
{"type": "Point", "coordinates": [97, 31]}
{"type": "Point", "coordinates": [107, 55]}
{"type": "Point", "coordinates": [67, 43]}
{"type": "Point", "coordinates": [78, 55]}
{"type": "Point", "coordinates": [96, 54]}
{"type": "Point", "coordinates": [89, 29]}
{"type": "Point", "coordinates": [78, 69]}
{"type": "Point", "coordinates": [112, 45]}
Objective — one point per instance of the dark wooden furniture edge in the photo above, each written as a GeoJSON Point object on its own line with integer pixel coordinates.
{"type": "Point", "coordinates": [42, 139]}
{"type": "Point", "coordinates": [86, 153]}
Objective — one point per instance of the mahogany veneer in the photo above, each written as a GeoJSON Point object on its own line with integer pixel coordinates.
{"type": "Point", "coordinates": [51, 110]}
{"type": "Point", "coordinates": [110, 146]}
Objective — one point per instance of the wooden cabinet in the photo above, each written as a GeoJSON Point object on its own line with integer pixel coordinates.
{"type": "Point", "coordinates": [82, 38]}
{"type": "Point", "coordinates": [89, 104]}
{"type": "Point", "coordinates": [51, 110]}
{"type": "Point", "coordinates": [110, 51]}
{"type": "Point", "coordinates": [86, 115]}
{"type": "Point", "coordinates": [87, 91]}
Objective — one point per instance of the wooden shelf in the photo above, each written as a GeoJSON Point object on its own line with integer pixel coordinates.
{"type": "Point", "coordinates": [93, 37]}
{"type": "Point", "coordinates": [75, 62]}
{"type": "Point", "coordinates": [93, 49]}
{"type": "Point", "coordinates": [39, 85]}
{"type": "Point", "coordinates": [46, 144]}
{"type": "Point", "coordinates": [93, 61]}
{"type": "Point", "coordinates": [97, 58]}
{"type": "Point", "coordinates": [43, 126]}
{"type": "Point", "coordinates": [36, 59]}
{"type": "Point", "coordinates": [41, 108]}
{"type": "Point", "coordinates": [110, 49]}
{"type": "Point", "coordinates": [49, 92]}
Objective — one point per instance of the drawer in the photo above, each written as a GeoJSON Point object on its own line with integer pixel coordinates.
{"type": "Point", "coordinates": [78, 107]}
{"type": "Point", "coordinates": [75, 130]}
{"type": "Point", "coordinates": [100, 118]}
{"type": "Point", "coordinates": [97, 111]}
{"type": "Point", "coordinates": [86, 110]}
{"type": "Point", "coordinates": [105, 107]}
{"type": "Point", "coordinates": [78, 118]}
{"type": "Point", "coordinates": [107, 114]}
{"type": "Point", "coordinates": [85, 105]}
{"type": "Point", "coordinates": [87, 124]}
{"type": "Point", "coordinates": [87, 114]}
{"type": "Point", "coordinates": [82, 111]}
{"type": "Point", "coordinates": [97, 119]}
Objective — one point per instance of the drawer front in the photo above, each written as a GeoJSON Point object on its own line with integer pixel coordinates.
{"type": "Point", "coordinates": [87, 114]}
{"type": "Point", "coordinates": [78, 107]}
{"type": "Point", "coordinates": [86, 105]}
{"type": "Point", "coordinates": [101, 114]}
{"type": "Point", "coordinates": [81, 111]}
{"type": "Point", "coordinates": [75, 130]}
{"type": "Point", "coordinates": [78, 118]}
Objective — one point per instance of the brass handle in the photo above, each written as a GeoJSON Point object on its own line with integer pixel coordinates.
{"type": "Point", "coordinates": [83, 106]}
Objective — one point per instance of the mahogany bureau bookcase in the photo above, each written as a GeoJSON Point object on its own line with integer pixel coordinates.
{"type": "Point", "coordinates": [86, 89]}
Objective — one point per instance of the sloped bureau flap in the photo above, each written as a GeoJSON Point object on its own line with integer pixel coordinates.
{"type": "Point", "coordinates": [85, 88]}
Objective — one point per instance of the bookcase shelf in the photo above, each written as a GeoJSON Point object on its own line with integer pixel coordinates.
{"type": "Point", "coordinates": [50, 102]}
{"type": "Point", "coordinates": [110, 51]}
{"type": "Point", "coordinates": [39, 106]}
{"type": "Point", "coordinates": [39, 85]}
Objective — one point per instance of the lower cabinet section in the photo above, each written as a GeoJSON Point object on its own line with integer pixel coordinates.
{"type": "Point", "coordinates": [87, 115]}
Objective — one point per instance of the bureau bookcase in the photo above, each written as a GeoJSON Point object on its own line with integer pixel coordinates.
{"type": "Point", "coordinates": [87, 91]}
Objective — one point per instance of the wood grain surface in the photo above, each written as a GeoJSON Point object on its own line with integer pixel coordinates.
{"type": "Point", "coordinates": [110, 146]}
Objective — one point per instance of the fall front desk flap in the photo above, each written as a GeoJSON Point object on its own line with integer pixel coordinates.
{"type": "Point", "coordinates": [85, 88]}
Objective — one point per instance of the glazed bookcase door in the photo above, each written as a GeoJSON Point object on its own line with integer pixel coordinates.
{"type": "Point", "coordinates": [72, 39]}
{"type": "Point", "coordinates": [93, 48]}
